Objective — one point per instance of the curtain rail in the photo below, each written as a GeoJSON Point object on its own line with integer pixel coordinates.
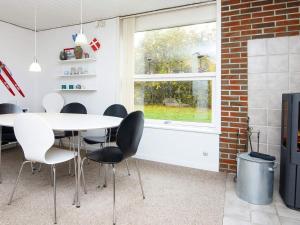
{"type": "Point", "coordinates": [170, 9]}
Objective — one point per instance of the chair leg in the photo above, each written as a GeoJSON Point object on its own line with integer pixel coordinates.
{"type": "Point", "coordinates": [32, 167]}
{"type": "Point", "coordinates": [86, 151]}
{"type": "Point", "coordinates": [51, 176]}
{"type": "Point", "coordinates": [140, 179]}
{"type": "Point", "coordinates": [70, 166]}
{"type": "Point", "coordinates": [54, 191]}
{"type": "Point", "coordinates": [83, 178]}
{"type": "Point", "coordinates": [75, 169]}
{"type": "Point", "coordinates": [105, 176]}
{"type": "Point", "coordinates": [40, 167]}
{"type": "Point", "coordinates": [114, 194]}
{"type": "Point", "coordinates": [127, 167]}
{"type": "Point", "coordinates": [17, 181]}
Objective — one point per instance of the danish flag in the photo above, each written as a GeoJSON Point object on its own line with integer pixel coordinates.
{"type": "Point", "coordinates": [7, 73]}
{"type": "Point", "coordinates": [95, 44]}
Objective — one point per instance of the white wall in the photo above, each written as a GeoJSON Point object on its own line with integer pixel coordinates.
{"type": "Point", "coordinates": [106, 81]}
{"type": "Point", "coordinates": [16, 49]}
{"type": "Point", "coordinates": [185, 148]}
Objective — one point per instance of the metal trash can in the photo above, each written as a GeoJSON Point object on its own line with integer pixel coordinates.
{"type": "Point", "coordinates": [255, 178]}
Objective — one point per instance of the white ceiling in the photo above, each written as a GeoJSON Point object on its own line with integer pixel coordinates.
{"type": "Point", "coordinates": [57, 13]}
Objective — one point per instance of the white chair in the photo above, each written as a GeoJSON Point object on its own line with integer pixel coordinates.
{"type": "Point", "coordinates": [40, 149]}
{"type": "Point", "coordinates": [53, 102]}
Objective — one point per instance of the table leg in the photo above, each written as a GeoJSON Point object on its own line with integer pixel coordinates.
{"type": "Point", "coordinates": [78, 172]}
{"type": "Point", "coordinates": [0, 154]}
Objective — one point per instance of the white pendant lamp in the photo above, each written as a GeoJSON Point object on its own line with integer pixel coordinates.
{"type": "Point", "coordinates": [35, 66]}
{"type": "Point", "coordinates": [81, 38]}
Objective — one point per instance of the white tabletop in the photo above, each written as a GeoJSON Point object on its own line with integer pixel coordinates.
{"type": "Point", "coordinates": [68, 121]}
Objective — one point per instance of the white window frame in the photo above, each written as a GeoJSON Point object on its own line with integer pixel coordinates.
{"type": "Point", "coordinates": [215, 125]}
{"type": "Point", "coordinates": [210, 76]}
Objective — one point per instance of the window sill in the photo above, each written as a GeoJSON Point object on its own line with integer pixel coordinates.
{"type": "Point", "coordinates": [202, 129]}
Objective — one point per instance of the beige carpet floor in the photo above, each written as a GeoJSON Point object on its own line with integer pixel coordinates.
{"type": "Point", "coordinates": [174, 196]}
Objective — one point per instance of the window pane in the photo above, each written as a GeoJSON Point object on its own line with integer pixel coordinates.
{"type": "Point", "coordinates": [187, 49]}
{"type": "Point", "coordinates": [175, 100]}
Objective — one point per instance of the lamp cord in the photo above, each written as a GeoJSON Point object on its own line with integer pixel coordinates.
{"type": "Point", "coordinates": [35, 12]}
{"type": "Point", "coordinates": [81, 16]}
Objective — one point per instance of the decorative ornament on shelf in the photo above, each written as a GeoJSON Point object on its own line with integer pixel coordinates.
{"type": "Point", "coordinates": [74, 37]}
{"type": "Point", "coordinates": [78, 52]}
{"type": "Point", "coordinates": [95, 44]}
{"type": "Point", "coordinates": [63, 55]}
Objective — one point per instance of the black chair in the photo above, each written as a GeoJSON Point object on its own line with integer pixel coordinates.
{"type": "Point", "coordinates": [8, 134]}
{"type": "Point", "coordinates": [128, 138]}
{"type": "Point", "coordinates": [116, 110]}
{"type": "Point", "coordinates": [76, 108]}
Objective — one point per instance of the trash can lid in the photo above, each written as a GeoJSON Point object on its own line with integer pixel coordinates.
{"type": "Point", "coordinates": [246, 156]}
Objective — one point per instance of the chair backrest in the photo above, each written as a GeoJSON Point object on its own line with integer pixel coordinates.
{"type": "Point", "coordinates": [130, 133]}
{"type": "Point", "coordinates": [53, 102]}
{"type": "Point", "coordinates": [34, 135]}
{"type": "Point", "coordinates": [116, 110]}
{"type": "Point", "coordinates": [74, 107]}
{"type": "Point", "coordinates": [8, 108]}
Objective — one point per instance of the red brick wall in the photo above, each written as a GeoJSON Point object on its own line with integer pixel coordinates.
{"type": "Point", "coordinates": [243, 20]}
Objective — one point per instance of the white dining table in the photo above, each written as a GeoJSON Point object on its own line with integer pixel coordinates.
{"type": "Point", "coordinates": [67, 122]}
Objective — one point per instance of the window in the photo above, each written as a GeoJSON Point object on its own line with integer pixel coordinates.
{"type": "Point", "coordinates": [175, 71]}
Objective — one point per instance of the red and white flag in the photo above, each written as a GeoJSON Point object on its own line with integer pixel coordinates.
{"type": "Point", "coordinates": [95, 44]}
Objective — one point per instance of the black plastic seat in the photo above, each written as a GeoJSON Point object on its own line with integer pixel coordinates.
{"type": "Point", "coordinates": [128, 138]}
{"type": "Point", "coordinates": [109, 155]}
{"type": "Point", "coordinates": [115, 110]}
{"type": "Point", "coordinates": [91, 140]}
{"type": "Point", "coordinates": [8, 134]}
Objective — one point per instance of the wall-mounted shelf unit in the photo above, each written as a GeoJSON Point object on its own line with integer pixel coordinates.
{"type": "Point", "coordinates": [77, 75]}
{"type": "Point", "coordinates": [83, 75]}
{"type": "Point", "coordinates": [70, 90]}
{"type": "Point", "coordinates": [78, 60]}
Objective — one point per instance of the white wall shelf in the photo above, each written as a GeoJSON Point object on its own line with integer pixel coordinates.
{"type": "Point", "coordinates": [78, 60]}
{"type": "Point", "coordinates": [71, 90]}
{"type": "Point", "coordinates": [77, 75]}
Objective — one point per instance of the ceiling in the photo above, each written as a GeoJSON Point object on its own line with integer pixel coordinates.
{"type": "Point", "coordinates": [57, 13]}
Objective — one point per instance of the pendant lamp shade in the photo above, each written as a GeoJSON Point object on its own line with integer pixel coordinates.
{"type": "Point", "coordinates": [81, 38]}
{"type": "Point", "coordinates": [35, 67]}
